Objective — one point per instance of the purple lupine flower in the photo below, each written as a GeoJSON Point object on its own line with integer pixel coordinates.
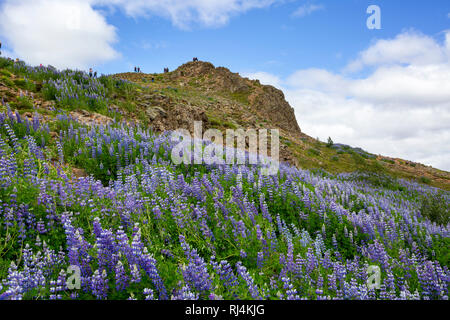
{"type": "Point", "coordinates": [99, 284]}
{"type": "Point", "coordinates": [291, 293]}
{"type": "Point", "coordinates": [252, 287]}
{"type": "Point", "coordinates": [195, 273]}
{"type": "Point", "coordinates": [185, 294]}
{"type": "Point", "coordinates": [148, 294]}
{"type": "Point", "coordinates": [121, 277]}
{"type": "Point", "coordinates": [135, 274]}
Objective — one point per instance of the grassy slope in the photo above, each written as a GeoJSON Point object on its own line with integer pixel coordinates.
{"type": "Point", "coordinates": [125, 97]}
{"type": "Point", "coordinates": [308, 152]}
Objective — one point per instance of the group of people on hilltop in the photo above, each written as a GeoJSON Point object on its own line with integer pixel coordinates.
{"type": "Point", "coordinates": [137, 69]}
{"type": "Point", "coordinates": [92, 73]}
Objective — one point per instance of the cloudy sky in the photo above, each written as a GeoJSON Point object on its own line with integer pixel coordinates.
{"type": "Point", "coordinates": [387, 90]}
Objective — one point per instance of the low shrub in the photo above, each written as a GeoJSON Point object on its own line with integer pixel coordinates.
{"type": "Point", "coordinates": [425, 180]}
{"type": "Point", "coordinates": [330, 142]}
{"type": "Point", "coordinates": [5, 73]}
{"type": "Point", "coordinates": [7, 81]}
{"type": "Point", "coordinates": [435, 207]}
{"type": "Point", "coordinates": [25, 84]}
{"type": "Point", "coordinates": [23, 102]}
{"type": "Point", "coordinates": [314, 152]}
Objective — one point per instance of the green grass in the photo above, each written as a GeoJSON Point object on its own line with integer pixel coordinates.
{"type": "Point", "coordinates": [241, 97]}
{"type": "Point", "coordinates": [229, 125]}
{"type": "Point", "coordinates": [25, 84]}
{"type": "Point", "coordinates": [7, 81]}
{"type": "Point", "coordinates": [5, 73]}
{"type": "Point", "coordinates": [435, 208]}
{"type": "Point", "coordinates": [388, 160]}
{"type": "Point", "coordinates": [425, 180]}
{"type": "Point", "coordinates": [22, 103]}
{"type": "Point", "coordinates": [314, 152]}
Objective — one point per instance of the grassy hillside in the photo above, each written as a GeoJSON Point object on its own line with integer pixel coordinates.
{"type": "Point", "coordinates": [174, 100]}
{"type": "Point", "coordinates": [87, 183]}
{"type": "Point", "coordinates": [227, 110]}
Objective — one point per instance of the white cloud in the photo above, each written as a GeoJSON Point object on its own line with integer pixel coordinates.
{"type": "Point", "coordinates": [317, 79]}
{"type": "Point", "coordinates": [62, 33]}
{"type": "Point", "coordinates": [307, 9]}
{"type": "Point", "coordinates": [407, 48]}
{"type": "Point", "coordinates": [410, 86]}
{"type": "Point", "coordinates": [401, 108]}
{"type": "Point", "coordinates": [75, 33]}
{"type": "Point", "coordinates": [151, 45]}
{"type": "Point", "coordinates": [265, 78]}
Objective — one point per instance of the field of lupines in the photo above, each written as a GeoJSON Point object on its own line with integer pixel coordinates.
{"type": "Point", "coordinates": [140, 227]}
{"type": "Point", "coordinates": [69, 89]}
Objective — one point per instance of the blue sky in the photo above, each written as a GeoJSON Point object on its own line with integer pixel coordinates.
{"type": "Point", "coordinates": [272, 39]}
{"type": "Point", "coordinates": [385, 90]}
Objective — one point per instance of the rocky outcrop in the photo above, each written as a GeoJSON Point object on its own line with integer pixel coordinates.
{"type": "Point", "coordinates": [166, 113]}
{"type": "Point", "coordinates": [88, 118]}
{"type": "Point", "coordinates": [235, 102]}
{"type": "Point", "coordinates": [271, 104]}
{"type": "Point", "coordinates": [267, 101]}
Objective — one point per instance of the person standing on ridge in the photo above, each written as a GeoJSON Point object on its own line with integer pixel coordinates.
{"type": "Point", "coordinates": [95, 74]}
{"type": "Point", "coordinates": [90, 72]}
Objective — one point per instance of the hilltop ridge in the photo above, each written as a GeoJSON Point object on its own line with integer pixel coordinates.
{"type": "Point", "coordinates": [263, 101]}
{"type": "Point", "coordinates": [266, 100]}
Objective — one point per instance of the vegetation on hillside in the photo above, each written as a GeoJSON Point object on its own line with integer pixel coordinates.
{"type": "Point", "coordinates": [140, 227]}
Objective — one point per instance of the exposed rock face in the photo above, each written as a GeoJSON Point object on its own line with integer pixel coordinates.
{"type": "Point", "coordinates": [166, 113]}
{"type": "Point", "coordinates": [6, 93]}
{"type": "Point", "coordinates": [88, 118]}
{"type": "Point", "coordinates": [266, 101]}
{"type": "Point", "coordinates": [193, 69]}
{"type": "Point", "coordinates": [271, 103]}
{"type": "Point", "coordinates": [154, 112]}
{"type": "Point", "coordinates": [79, 173]}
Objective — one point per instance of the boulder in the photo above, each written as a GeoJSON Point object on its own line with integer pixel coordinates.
{"type": "Point", "coordinates": [155, 111]}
